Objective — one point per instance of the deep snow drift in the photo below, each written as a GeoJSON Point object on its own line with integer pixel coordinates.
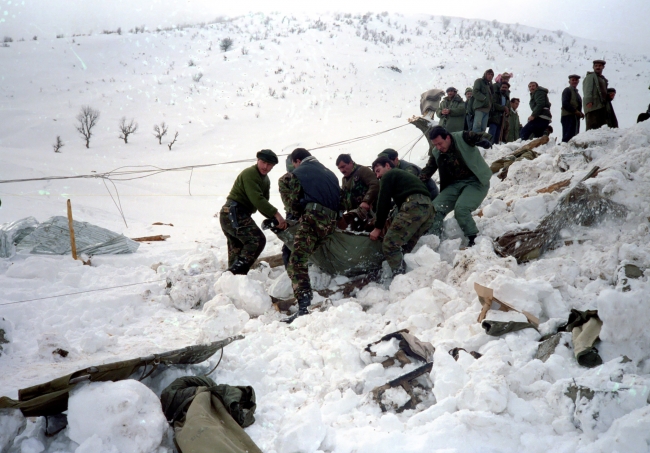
{"type": "Point", "coordinates": [312, 378]}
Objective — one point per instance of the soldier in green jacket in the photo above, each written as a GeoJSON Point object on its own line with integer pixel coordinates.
{"type": "Point", "coordinates": [464, 178]}
{"type": "Point", "coordinates": [249, 193]}
{"type": "Point", "coordinates": [452, 111]}
{"type": "Point", "coordinates": [393, 156]}
{"type": "Point", "coordinates": [414, 216]}
{"type": "Point", "coordinates": [514, 126]}
{"type": "Point", "coordinates": [359, 191]}
{"type": "Point", "coordinates": [540, 116]}
{"type": "Point", "coordinates": [482, 94]}
{"type": "Point", "coordinates": [594, 97]}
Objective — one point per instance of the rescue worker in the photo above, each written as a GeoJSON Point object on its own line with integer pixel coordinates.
{"type": "Point", "coordinates": [249, 194]}
{"type": "Point", "coordinates": [393, 156]}
{"type": "Point", "coordinates": [311, 194]}
{"type": "Point", "coordinates": [414, 216]}
{"type": "Point", "coordinates": [464, 178]}
{"type": "Point", "coordinates": [571, 109]}
{"type": "Point", "coordinates": [359, 191]}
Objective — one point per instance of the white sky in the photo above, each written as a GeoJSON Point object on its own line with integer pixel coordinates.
{"type": "Point", "coordinates": [606, 20]}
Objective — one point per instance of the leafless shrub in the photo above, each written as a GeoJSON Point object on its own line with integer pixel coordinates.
{"type": "Point", "coordinates": [244, 51]}
{"type": "Point", "coordinates": [87, 119]}
{"type": "Point", "coordinates": [225, 44]}
{"type": "Point", "coordinates": [8, 39]}
{"type": "Point", "coordinates": [60, 36]}
{"type": "Point", "coordinates": [127, 129]}
{"type": "Point", "coordinates": [58, 145]}
{"type": "Point", "coordinates": [160, 131]}
{"type": "Point", "coordinates": [172, 142]}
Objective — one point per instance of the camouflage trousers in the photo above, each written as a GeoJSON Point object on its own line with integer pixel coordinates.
{"type": "Point", "coordinates": [313, 228]}
{"type": "Point", "coordinates": [244, 243]}
{"type": "Point", "coordinates": [413, 220]}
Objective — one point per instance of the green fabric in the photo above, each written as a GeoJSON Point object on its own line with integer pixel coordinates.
{"type": "Point", "coordinates": [51, 397]}
{"type": "Point", "coordinates": [463, 197]}
{"type": "Point", "coordinates": [397, 185]}
{"type": "Point", "coordinates": [413, 220]}
{"type": "Point", "coordinates": [506, 162]}
{"type": "Point", "coordinates": [496, 114]}
{"type": "Point", "coordinates": [498, 328]}
{"type": "Point", "coordinates": [341, 253]}
{"type": "Point", "coordinates": [252, 191]}
{"type": "Point", "coordinates": [208, 427]}
{"type": "Point", "coordinates": [539, 101]}
{"type": "Point", "coordinates": [471, 156]}
{"type": "Point", "coordinates": [455, 120]}
{"type": "Point", "coordinates": [409, 167]}
{"type": "Point", "coordinates": [573, 102]}
{"type": "Point", "coordinates": [361, 186]}
{"type": "Point", "coordinates": [482, 94]}
{"type": "Point", "coordinates": [245, 243]}
{"type": "Point", "coordinates": [515, 127]}
{"type": "Point", "coordinates": [592, 93]}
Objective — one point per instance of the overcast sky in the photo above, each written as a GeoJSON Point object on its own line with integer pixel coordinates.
{"type": "Point", "coordinates": [605, 20]}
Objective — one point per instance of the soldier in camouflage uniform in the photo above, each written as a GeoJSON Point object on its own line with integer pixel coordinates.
{"type": "Point", "coordinates": [359, 192]}
{"type": "Point", "coordinates": [393, 156]}
{"type": "Point", "coordinates": [249, 193]}
{"type": "Point", "coordinates": [311, 194]}
{"type": "Point", "coordinates": [415, 212]}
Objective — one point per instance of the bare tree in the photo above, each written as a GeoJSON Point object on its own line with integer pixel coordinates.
{"type": "Point", "coordinates": [127, 129]}
{"type": "Point", "coordinates": [172, 142]}
{"type": "Point", "coordinates": [225, 44]}
{"type": "Point", "coordinates": [160, 131]}
{"type": "Point", "coordinates": [87, 120]}
{"type": "Point", "coordinates": [58, 145]}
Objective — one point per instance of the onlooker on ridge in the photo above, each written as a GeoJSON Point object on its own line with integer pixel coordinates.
{"type": "Point", "coordinates": [571, 109]}
{"type": "Point", "coordinates": [540, 116]}
{"type": "Point", "coordinates": [482, 94]}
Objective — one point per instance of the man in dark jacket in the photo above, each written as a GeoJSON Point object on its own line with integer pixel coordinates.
{"type": "Point", "coordinates": [500, 113]}
{"type": "Point", "coordinates": [482, 94]}
{"type": "Point", "coordinates": [571, 109]}
{"type": "Point", "coordinates": [596, 101]}
{"type": "Point", "coordinates": [452, 111]}
{"type": "Point", "coordinates": [469, 109]}
{"type": "Point", "coordinates": [359, 191]}
{"type": "Point", "coordinates": [393, 156]}
{"type": "Point", "coordinates": [311, 194]}
{"type": "Point", "coordinates": [464, 178]}
{"type": "Point", "coordinates": [540, 117]}
{"type": "Point", "coordinates": [514, 125]}
{"type": "Point", "coordinates": [414, 217]}
{"type": "Point", "coordinates": [249, 193]}
{"type": "Point", "coordinates": [612, 121]}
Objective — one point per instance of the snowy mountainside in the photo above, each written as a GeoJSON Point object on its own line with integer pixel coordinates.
{"type": "Point", "coordinates": [311, 81]}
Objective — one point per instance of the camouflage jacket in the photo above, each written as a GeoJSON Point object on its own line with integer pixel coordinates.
{"type": "Point", "coordinates": [291, 194]}
{"type": "Point", "coordinates": [361, 186]}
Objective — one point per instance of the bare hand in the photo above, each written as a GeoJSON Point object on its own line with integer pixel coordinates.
{"type": "Point", "coordinates": [445, 111]}
{"type": "Point", "coordinates": [413, 119]}
{"type": "Point", "coordinates": [282, 224]}
{"type": "Point", "coordinates": [531, 118]}
{"type": "Point", "coordinates": [590, 105]}
{"type": "Point", "coordinates": [365, 206]}
{"type": "Point", "coordinates": [374, 234]}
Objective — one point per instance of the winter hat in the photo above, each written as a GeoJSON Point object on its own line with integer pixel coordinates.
{"type": "Point", "coordinates": [611, 90]}
{"type": "Point", "coordinates": [603, 62]}
{"type": "Point", "coordinates": [451, 89]}
{"type": "Point", "coordinates": [388, 152]}
{"type": "Point", "coordinates": [471, 90]}
{"type": "Point", "coordinates": [268, 156]}
{"type": "Point", "coordinates": [574, 76]}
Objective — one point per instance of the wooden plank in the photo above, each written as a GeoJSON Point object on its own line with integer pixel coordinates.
{"type": "Point", "coordinates": [159, 237]}
{"type": "Point", "coordinates": [73, 244]}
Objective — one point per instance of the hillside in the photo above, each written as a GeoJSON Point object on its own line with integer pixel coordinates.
{"type": "Point", "coordinates": [313, 81]}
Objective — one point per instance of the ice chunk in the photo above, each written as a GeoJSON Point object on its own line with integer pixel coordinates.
{"type": "Point", "coordinates": [281, 287]}
{"type": "Point", "coordinates": [221, 321]}
{"type": "Point", "coordinates": [93, 341]}
{"type": "Point", "coordinates": [247, 294]}
{"type": "Point", "coordinates": [115, 416]}
{"type": "Point", "coordinates": [423, 257]}
{"type": "Point", "coordinates": [305, 431]}
{"type": "Point", "coordinates": [497, 207]}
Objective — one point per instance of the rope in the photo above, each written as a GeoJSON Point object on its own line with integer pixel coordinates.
{"type": "Point", "coordinates": [83, 292]}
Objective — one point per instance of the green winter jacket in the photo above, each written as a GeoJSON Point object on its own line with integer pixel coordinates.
{"type": "Point", "coordinates": [515, 127]}
{"type": "Point", "coordinates": [455, 120]}
{"type": "Point", "coordinates": [482, 94]}
{"type": "Point", "coordinates": [539, 103]}
{"type": "Point", "coordinates": [592, 93]}
{"type": "Point", "coordinates": [471, 156]}
{"type": "Point", "coordinates": [497, 109]}
{"type": "Point", "coordinates": [252, 191]}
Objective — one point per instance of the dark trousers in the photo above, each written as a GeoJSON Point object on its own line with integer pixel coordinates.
{"type": "Point", "coordinates": [596, 118]}
{"type": "Point", "coordinates": [534, 128]}
{"type": "Point", "coordinates": [570, 127]}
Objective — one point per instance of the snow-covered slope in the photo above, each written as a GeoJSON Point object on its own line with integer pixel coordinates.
{"type": "Point", "coordinates": [291, 82]}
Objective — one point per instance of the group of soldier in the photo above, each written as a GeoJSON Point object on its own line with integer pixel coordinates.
{"type": "Point", "coordinates": [488, 106]}
{"type": "Point", "coordinates": [393, 200]}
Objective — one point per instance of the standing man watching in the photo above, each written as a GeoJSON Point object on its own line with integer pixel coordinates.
{"type": "Point", "coordinates": [483, 93]}
{"type": "Point", "coordinates": [594, 91]}
{"type": "Point", "coordinates": [359, 192]}
{"type": "Point", "coordinates": [612, 121]}
{"type": "Point", "coordinates": [452, 111]}
{"type": "Point", "coordinates": [469, 109]}
{"type": "Point", "coordinates": [249, 193]}
{"type": "Point", "coordinates": [514, 126]}
{"type": "Point", "coordinates": [414, 216]}
{"type": "Point", "coordinates": [464, 178]}
{"type": "Point", "coordinates": [571, 109]}
{"type": "Point", "coordinates": [500, 113]}
{"type": "Point", "coordinates": [540, 117]}
{"type": "Point", "coordinates": [411, 168]}
{"type": "Point", "coordinates": [311, 194]}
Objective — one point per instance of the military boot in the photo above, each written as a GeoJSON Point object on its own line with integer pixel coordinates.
{"type": "Point", "coordinates": [303, 309]}
{"type": "Point", "coordinates": [239, 267]}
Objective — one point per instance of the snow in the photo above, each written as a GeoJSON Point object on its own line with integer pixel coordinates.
{"type": "Point", "coordinates": [313, 378]}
